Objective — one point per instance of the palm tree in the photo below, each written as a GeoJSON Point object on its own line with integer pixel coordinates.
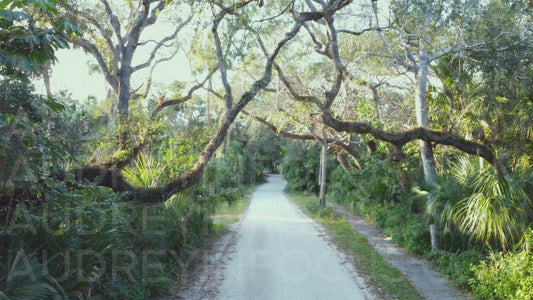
{"type": "Point", "coordinates": [480, 204]}
{"type": "Point", "coordinates": [496, 210]}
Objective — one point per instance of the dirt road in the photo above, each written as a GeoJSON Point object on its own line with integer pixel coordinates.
{"type": "Point", "coordinates": [282, 254]}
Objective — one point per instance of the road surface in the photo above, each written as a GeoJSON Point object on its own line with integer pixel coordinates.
{"type": "Point", "coordinates": [282, 254]}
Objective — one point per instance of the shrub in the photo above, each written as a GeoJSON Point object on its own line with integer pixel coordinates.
{"type": "Point", "coordinates": [90, 242]}
{"type": "Point", "coordinates": [456, 265]}
{"type": "Point", "coordinates": [504, 276]}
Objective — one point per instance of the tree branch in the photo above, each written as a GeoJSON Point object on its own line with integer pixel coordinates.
{"type": "Point", "coordinates": [293, 92]}
{"type": "Point", "coordinates": [154, 13]}
{"type": "Point", "coordinates": [114, 23]}
{"type": "Point", "coordinates": [401, 138]}
{"type": "Point", "coordinates": [95, 23]}
{"type": "Point", "coordinates": [335, 55]}
{"type": "Point", "coordinates": [351, 151]}
{"type": "Point", "coordinates": [277, 130]}
{"type": "Point", "coordinates": [395, 55]}
{"type": "Point", "coordinates": [149, 80]}
{"type": "Point", "coordinates": [87, 46]}
{"type": "Point", "coordinates": [160, 44]}
{"type": "Point", "coordinates": [357, 33]}
{"type": "Point", "coordinates": [177, 101]}
{"type": "Point", "coordinates": [308, 137]}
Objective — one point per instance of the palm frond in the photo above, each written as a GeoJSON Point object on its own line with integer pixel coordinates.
{"type": "Point", "coordinates": [29, 279]}
{"type": "Point", "coordinates": [495, 212]}
{"type": "Point", "coordinates": [147, 172]}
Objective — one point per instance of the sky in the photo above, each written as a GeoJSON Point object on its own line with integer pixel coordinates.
{"type": "Point", "coordinates": [71, 73]}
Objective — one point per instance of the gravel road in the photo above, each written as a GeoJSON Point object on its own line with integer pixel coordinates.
{"type": "Point", "coordinates": [282, 254]}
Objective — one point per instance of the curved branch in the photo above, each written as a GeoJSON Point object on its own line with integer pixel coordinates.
{"type": "Point", "coordinates": [114, 23]}
{"type": "Point", "coordinates": [228, 97]}
{"type": "Point", "coordinates": [177, 101]}
{"type": "Point", "coordinates": [309, 137]}
{"type": "Point", "coordinates": [351, 151]}
{"type": "Point", "coordinates": [293, 92]}
{"type": "Point", "coordinates": [95, 23]}
{"type": "Point", "coordinates": [149, 79]}
{"type": "Point", "coordinates": [396, 56]}
{"type": "Point", "coordinates": [334, 52]}
{"type": "Point", "coordinates": [87, 46]}
{"type": "Point", "coordinates": [120, 163]}
{"type": "Point", "coordinates": [160, 44]}
{"type": "Point", "coordinates": [154, 14]}
{"type": "Point", "coordinates": [277, 130]}
{"type": "Point", "coordinates": [401, 138]}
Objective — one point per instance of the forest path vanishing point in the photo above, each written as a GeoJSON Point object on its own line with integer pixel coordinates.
{"type": "Point", "coordinates": [283, 254]}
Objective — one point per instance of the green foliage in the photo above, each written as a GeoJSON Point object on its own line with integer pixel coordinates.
{"type": "Point", "coordinates": [325, 213]}
{"type": "Point", "coordinates": [40, 137]}
{"type": "Point", "coordinates": [68, 241]}
{"type": "Point", "coordinates": [496, 211]}
{"type": "Point", "coordinates": [504, 276]}
{"type": "Point", "coordinates": [147, 172]}
{"type": "Point", "coordinates": [237, 164]}
{"type": "Point", "coordinates": [456, 265]}
{"type": "Point", "coordinates": [381, 182]}
{"type": "Point", "coordinates": [28, 279]}
{"type": "Point", "coordinates": [300, 164]}
{"type": "Point", "coordinates": [94, 244]}
{"type": "Point", "coordinates": [381, 193]}
{"type": "Point", "coordinates": [25, 43]}
{"type": "Point", "coordinates": [480, 204]}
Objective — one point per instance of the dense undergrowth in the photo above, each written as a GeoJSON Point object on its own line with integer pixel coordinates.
{"type": "Point", "coordinates": [485, 234]}
{"type": "Point", "coordinates": [65, 239]}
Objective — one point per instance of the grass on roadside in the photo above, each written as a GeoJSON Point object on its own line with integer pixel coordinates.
{"type": "Point", "coordinates": [227, 213]}
{"type": "Point", "coordinates": [388, 282]}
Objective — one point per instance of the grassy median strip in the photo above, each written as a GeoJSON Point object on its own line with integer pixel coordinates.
{"type": "Point", "coordinates": [387, 281]}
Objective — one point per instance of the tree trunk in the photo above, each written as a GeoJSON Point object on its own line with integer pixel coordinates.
{"type": "Point", "coordinates": [322, 174]}
{"type": "Point", "coordinates": [433, 231]}
{"type": "Point", "coordinates": [125, 82]}
{"type": "Point", "coordinates": [208, 104]}
{"type": "Point", "coordinates": [45, 69]}
{"type": "Point", "coordinates": [422, 116]}
{"type": "Point", "coordinates": [124, 94]}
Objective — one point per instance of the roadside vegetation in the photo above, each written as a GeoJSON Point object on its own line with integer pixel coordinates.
{"type": "Point", "coordinates": [491, 260]}
{"type": "Point", "coordinates": [230, 212]}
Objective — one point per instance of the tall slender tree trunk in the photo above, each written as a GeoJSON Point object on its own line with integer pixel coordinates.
{"type": "Point", "coordinates": [323, 159]}
{"type": "Point", "coordinates": [208, 105]}
{"type": "Point", "coordinates": [323, 165]}
{"type": "Point", "coordinates": [422, 116]}
{"type": "Point", "coordinates": [45, 69]}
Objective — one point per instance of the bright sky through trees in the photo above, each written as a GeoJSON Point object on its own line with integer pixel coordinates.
{"type": "Point", "coordinates": [74, 70]}
{"type": "Point", "coordinates": [71, 72]}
